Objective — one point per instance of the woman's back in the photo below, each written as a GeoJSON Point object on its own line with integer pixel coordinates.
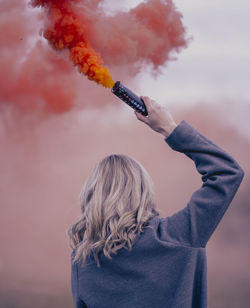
{"type": "Point", "coordinates": [166, 266]}
{"type": "Point", "coordinates": [155, 273]}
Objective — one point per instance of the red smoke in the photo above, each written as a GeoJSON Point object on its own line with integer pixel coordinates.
{"type": "Point", "coordinates": [35, 77]}
{"type": "Point", "coordinates": [32, 76]}
{"type": "Point", "coordinates": [147, 33]}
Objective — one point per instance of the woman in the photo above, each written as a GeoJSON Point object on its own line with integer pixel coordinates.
{"type": "Point", "coordinates": [125, 254]}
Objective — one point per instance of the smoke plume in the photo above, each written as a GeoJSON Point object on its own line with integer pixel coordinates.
{"type": "Point", "coordinates": [40, 78]}
{"type": "Point", "coordinates": [65, 30]}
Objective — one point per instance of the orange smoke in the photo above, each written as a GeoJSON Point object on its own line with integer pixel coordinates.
{"type": "Point", "coordinates": [65, 30]}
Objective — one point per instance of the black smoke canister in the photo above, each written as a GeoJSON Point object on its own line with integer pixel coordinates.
{"type": "Point", "coordinates": [129, 98]}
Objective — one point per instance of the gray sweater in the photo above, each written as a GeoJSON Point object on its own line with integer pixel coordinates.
{"type": "Point", "coordinates": [167, 264]}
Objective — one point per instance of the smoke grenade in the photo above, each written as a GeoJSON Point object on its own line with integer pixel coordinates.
{"type": "Point", "coordinates": [129, 98]}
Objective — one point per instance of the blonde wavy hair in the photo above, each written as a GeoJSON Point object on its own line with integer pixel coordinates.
{"type": "Point", "coordinates": [117, 201]}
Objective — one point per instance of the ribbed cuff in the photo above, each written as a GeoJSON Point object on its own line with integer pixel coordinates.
{"type": "Point", "coordinates": [182, 135]}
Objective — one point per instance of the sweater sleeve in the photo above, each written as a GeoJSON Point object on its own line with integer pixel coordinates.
{"type": "Point", "coordinates": [221, 176]}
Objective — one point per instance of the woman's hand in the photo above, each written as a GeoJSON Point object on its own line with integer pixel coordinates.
{"type": "Point", "coordinates": [158, 118]}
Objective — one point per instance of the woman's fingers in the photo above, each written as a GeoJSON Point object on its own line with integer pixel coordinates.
{"type": "Point", "coordinates": [147, 102]}
{"type": "Point", "coordinates": [141, 117]}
